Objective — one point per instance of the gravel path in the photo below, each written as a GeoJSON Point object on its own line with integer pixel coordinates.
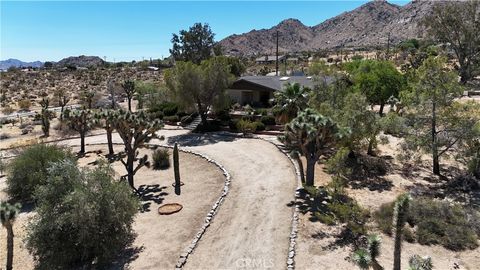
{"type": "Point", "coordinates": [252, 228]}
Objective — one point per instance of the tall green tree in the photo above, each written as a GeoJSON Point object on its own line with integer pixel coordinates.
{"type": "Point", "coordinates": [429, 97]}
{"type": "Point", "coordinates": [312, 135]}
{"type": "Point", "coordinates": [457, 24]}
{"type": "Point", "coordinates": [378, 80]}
{"type": "Point", "coordinates": [201, 86]}
{"type": "Point", "coordinates": [135, 129]}
{"type": "Point", "coordinates": [291, 100]}
{"type": "Point", "coordinates": [195, 44]}
{"type": "Point", "coordinates": [8, 213]}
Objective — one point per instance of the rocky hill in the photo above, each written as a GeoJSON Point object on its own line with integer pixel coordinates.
{"type": "Point", "coordinates": [5, 64]}
{"type": "Point", "coordinates": [80, 61]}
{"type": "Point", "coordinates": [365, 26]}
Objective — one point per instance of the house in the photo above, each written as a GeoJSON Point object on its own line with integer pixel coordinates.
{"type": "Point", "coordinates": [258, 90]}
{"type": "Point", "coordinates": [270, 59]}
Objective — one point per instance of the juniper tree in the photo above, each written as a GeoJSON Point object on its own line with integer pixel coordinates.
{"type": "Point", "coordinates": [431, 93]}
{"type": "Point", "coordinates": [194, 45]}
{"type": "Point", "coordinates": [312, 135]}
{"type": "Point", "coordinates": [128, 87]}
{"type": "Point", "coordinates": [135, 129]}
{"type": "Point", "coordinates": [8, 213]}
{"type": "Point", "coordinates": [80, 121]}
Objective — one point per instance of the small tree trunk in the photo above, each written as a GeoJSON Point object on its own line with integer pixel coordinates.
{"type": "Point", "coordinates": [371, 143]}
{"type": "Point", "coordinates": [130, 169]}
{"type": "Point", "coordinates": [435, 158]}
{"type": "Point", "coordinates": [381, 109]}
{"type": "Point", "coordinates": [300, 168]}
{"type": "Point", "coordinates": [110, 143]}
{"type": "Point", "coordinates": [9, 228]}
{"type": "Point", "coordinates": [310, 171]}
{"type": "Point", "coordinates": [82, 143]}
{"type": "Point", "coordinates": [130, 104]}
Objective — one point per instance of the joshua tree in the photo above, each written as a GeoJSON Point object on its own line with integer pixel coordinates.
{"type": "Point", "coordinates": [8, 213]}
{"type": "Point", "coordinates": [45, 117]}
{"type": "Point", "coordinates": [312, 135]}
{"type": "Point", "coordinates": [176, 170]}
{"type": "Point", "coordinates": [399, 219]}
{"type": "Point", "coordinates": [62, 100]}
{"type": "Point", "coordinates": [291, 100]}
{"type": "Point", "coordinates": [135, 129]}
{"type": "Point", "coordinates": [80, 121]}
{"type": "Point", "coordinates": [366, 258]}
{"type": "Point", "coordinates": [129, 89]}
{"type": "Point", "coordinates": [88, 97]}
{"type": "Point", "coordinates": [107, 118]}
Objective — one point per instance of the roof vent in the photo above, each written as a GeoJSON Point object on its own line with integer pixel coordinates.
{"type": "Point", "coordinates": [284, 78]}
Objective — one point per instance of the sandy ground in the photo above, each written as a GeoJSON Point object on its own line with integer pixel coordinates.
{"type": "Point", "coordinates": [160, 239]}
{"type": "Point", "coordinates": [318, 246]}
{"type": "Point", "coordinates": [251, 229]}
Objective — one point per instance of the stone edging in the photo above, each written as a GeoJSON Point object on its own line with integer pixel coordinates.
{"type": "Point", "coordinates": [295, 217]}
{"type": "Point", "coordinates": [213, 211]}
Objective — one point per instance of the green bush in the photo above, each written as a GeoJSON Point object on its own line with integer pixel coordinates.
{"type": "Point", "coordinates": [449, 225]}
{"type": "Point", "coordinates": [327, 219]}
{"type": "Point", "coordinates": [28, 170]}
{"type": "Point", "coordinates": [246, 126]}
{"type": "Point", "coordinates": [268, 120]}
{"type": "Point", "coordinates": [167, 108]}
{"type": "Point", "coordinates": [83, 218]}
{"type": "Point", "coordinates": [211, 126]}
{"type": "Point", "coordinates": [259, 126]}
{"type": "Point", "coordinates": [232, 124]}
{"type": "Point", "coordinates": [393, 124]}
{"type": "Point", "coordinates": [161, 159]}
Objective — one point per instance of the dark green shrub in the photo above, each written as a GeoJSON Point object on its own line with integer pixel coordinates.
{"type": "Point", "coordinates": [167, 108]}
{"type": "Point", "coordinates": [268, 120]}
{"type": "Point", "coordinates": [435, 222]}
{"type": "Point", "coordinates": [181, 114]}
{"type": "Point", "coordinates": [29, 169]}
{"type": "Point", "coordinates": [246, 126]}
{"type": "Point", "coordinates": [156, 115]}
{"type": "Point", "coordinates": [261, 111]}
{"type": "Point", "coordinates": [259, 126]}
{"type": "Point", "coordinates": [223, 115]}
{"type": "Point", "coordinates": [84, 218]}
{"type": "Point", "coordinates": [171, 118]}
{"type": "Point", "coordinates": [186, 120]}
{"type": "Point", "coordinates": [232, 124]}
{"type": "Point", "coordinates": [161, 159]}
{"type": "Point", "coordinates": [211, 126]}
{"type": "Point", "coordinates": [327, 219]}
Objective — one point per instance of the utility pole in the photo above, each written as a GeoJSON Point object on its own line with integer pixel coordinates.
{"type": "Point", "coordinates": [276, 65]}
{"type": "Point", "coordinates": [388, 46]}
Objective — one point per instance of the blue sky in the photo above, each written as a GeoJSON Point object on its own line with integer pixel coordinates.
{"type": "Point", "coordinates": [127, 31]}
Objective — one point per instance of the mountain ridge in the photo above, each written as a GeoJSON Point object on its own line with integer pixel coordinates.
{"type": "Point", "coordinates": [366, 26]}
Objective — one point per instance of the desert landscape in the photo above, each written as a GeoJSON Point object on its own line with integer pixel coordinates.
{"type": "Point", "coordinates": [350, 144]}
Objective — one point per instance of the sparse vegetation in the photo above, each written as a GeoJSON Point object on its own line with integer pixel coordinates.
{"type": "Point", "coordinates": [161, 159]}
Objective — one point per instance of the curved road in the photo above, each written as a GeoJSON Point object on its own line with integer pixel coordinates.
{"type": "Point", "coordinates": [252, 228]}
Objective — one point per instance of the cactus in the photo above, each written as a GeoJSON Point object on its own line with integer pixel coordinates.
{"type": "Point", "coordinates": [399, 220]}
{"type": "Point", "coordinates": [176, 169]}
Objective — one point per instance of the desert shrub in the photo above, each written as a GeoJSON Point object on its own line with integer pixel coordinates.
{"type": "Point", "coordinates": [324, 218]}
{"type": "Point", "coordinates": [28, 170]}
{"type": "Point", "coordinates": [24, 104]}
{"type": "Point", "coordinates": [435, 222]}
{"type": "Point", "coordinates": [211, 126]}
{"type": "Point", "coordinates": [83, 218]}
{"type": "Point", "coordinates": [167, 108]}
{"type": "Point", "coordinates": [246, 126]}
{"type": "Point", "coordinates": [161, 159]}
{"type": "Point", "coordinates": [156, 115]}
{"type": "Point", "coordinates": [259, 126]}
{"type": "Point", "coordinates": [3, 164]}
{"type": "Point", "coordinates": [261, 111]}
{"type": "Point", "coordinates": [232, 124]}
{"type": "Point", "coordinates": [171, 118]}
{"type": "Point", "coordinates": [268, 120]}
{"type": "Point", "coordinates": [223, 115]}
{"type": "Point", "coordinates": [393, 124]}
{"type": "Point", "coordinates": [7, 110]}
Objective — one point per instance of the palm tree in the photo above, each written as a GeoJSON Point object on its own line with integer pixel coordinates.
{"type": "Point", "coordinates": [291, 101]}
{"type": "Point", "coordinates": [8, 214]}
{"type": "Point", "coordinates": [399, 220]}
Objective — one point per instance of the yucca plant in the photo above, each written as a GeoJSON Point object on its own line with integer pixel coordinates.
{"type": "Point", "coordinates": [367, 257]}
{"type": "Point", "coordinates": [8, 213]}
{"type": "Point", "coordinates": [400, 213]}
{"type": "Point", "coordinates": [418, 263]}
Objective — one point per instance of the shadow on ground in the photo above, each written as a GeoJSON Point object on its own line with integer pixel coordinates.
{"type": "Point", "coordinates": [127, 256]}
{"type": "Point", "coordinates": [197, 139]}
{"type": "Point", "coordinates": [151, 194]}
